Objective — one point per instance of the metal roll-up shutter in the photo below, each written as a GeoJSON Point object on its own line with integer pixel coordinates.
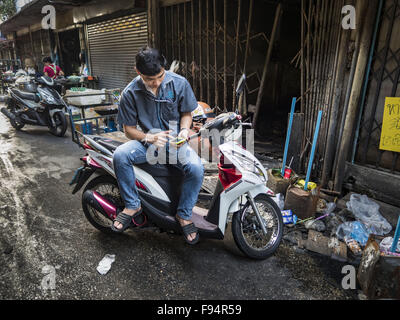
{"type": "Point", "coordinates": [113, 45]}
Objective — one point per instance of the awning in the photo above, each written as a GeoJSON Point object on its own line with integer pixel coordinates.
{"type": "Point", "coordinates": [31, 14]}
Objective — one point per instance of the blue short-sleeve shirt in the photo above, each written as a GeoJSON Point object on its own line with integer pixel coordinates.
{"type": "Point", "coordinates": [140, 107]}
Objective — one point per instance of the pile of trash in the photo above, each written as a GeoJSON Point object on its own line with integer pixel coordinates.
{"type": "Point", "coordinates": [341, 234]}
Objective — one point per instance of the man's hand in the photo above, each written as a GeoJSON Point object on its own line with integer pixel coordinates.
{"type": "Point", "coordinates": [184, 134]}
{"type": "Point", "coordinates": [181, 138]}
{"type": "Point", "coordinates": [159, 139]}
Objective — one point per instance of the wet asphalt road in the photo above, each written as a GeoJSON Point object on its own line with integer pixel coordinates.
{"type": "Point", "coordinates": [42, 224]}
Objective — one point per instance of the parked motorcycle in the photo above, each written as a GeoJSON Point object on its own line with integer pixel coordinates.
{"type": "Point", "coordinates": [241, 194]}
{"type": "Point", "coordinates": [40, 104]}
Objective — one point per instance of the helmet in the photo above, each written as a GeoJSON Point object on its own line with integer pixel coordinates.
{"type": "Point", "coordinates": [203, 111]}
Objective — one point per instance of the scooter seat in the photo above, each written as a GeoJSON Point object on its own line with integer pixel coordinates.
{"type": "Point", "coordinates": [156, 170]}
{"type": "Point", "coordinates": [26, 95]}
{"type": "Point", "coordinates": [160, 170]}
{"type": "Point", "coordinates": [109, 144]}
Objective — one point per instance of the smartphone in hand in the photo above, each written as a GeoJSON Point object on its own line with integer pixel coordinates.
{"type": "Point", "coordinates": [178, 141]}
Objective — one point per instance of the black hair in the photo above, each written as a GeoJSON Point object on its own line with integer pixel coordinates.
{"type": "Point", "coordinates": [150, 61]}
{"type": "Point", "coordinates": [47, 59]}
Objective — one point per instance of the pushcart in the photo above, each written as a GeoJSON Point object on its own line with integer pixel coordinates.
{"type": "Point", "coordinates": [98, 118]}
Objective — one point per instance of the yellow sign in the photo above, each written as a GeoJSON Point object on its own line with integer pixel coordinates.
{"type": "Point", "coordinates": [390, 137]}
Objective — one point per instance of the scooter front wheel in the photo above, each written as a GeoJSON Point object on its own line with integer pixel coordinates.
{"type": "Point", "coordinates": [248, 233]}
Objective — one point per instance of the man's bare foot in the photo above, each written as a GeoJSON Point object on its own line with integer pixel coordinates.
{"type": "Point", "coordinates": [183, 223]}
{"type": "Point", "coordinates": [129, 212]}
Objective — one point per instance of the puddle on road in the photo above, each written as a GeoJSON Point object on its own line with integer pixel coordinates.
{"type": "Point", "coordinates": [4, 125]}
{"type": "Point", "coordinates": [4, 132]}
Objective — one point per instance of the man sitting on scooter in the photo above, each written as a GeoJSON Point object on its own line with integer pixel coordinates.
{"type": "Point", "coordinates": [161, 102]}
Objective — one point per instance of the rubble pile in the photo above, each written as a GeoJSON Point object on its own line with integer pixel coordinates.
{"type": "Point", "coordinates": [340, 233]}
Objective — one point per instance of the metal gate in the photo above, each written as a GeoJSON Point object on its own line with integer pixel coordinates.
{"type": "Point", "coordinates": [113, 45]}
{"type": "Point", "coordinates": [383, 82]}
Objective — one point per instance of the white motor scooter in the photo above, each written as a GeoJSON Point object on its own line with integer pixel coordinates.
{"type": "Point", "coordinates": [241, 193]}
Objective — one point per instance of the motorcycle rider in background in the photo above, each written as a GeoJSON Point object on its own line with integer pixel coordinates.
{"type": "Point", "coordinates": [50, 69]}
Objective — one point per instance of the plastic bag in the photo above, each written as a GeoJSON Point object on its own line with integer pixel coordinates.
{"type": "Point", "coordinates": [330, 207]}
{"type": "Point", "coordinates": [105, 264]}
{"type": "Point", "coordinates": [353, 230]}
{"type": "Point", "coordinates": [280, 200]}
{"type": "Point", "coordinates": [386, 244]}
{"type": "Point", "coordinates": [367, 211]}
{"type": "Point", "coordinates": [316, 225]}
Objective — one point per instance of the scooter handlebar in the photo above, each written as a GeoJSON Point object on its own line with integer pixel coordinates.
{"type": "Point", "coordinates": [221, 123]}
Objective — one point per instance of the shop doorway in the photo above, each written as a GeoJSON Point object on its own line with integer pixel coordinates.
{"type": "Point", "coordinates": [69, 48]}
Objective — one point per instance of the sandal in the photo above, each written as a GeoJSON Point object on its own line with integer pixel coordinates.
{"type": "Point", "coordinates": [187, 230]}
{"type": "Point", "coordinates": [125, 220]}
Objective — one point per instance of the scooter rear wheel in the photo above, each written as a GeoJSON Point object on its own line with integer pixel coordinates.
{"type": "Point", "coordinates": [247, 231]}
{"type": "Point", "coordinates": [108, 188]}
{"type": "Point", "coordinates": [17, 124]}
{"type": "Point", "coordinates": [61, 124]}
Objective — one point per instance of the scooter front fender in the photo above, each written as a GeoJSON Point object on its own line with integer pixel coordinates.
{"type": "Point", "coordinates": [230, 199]}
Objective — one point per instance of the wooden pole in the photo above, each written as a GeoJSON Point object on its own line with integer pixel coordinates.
{"type": "Point", "coordinates": [200, 52]}
{"type": "Point", "coordinates": [312, 60]}
{"type": "Point", "coordinates": [172, 34]}
{"type": "Point", "coordinates": [153, 23]}
{"type": "Point", "coordinates": [368, 14]}
{"type": "Point", "coordinates": [41, 44]}
{"type": "Point", "coordinates": [166, 37]}
{"type": "Point", "coordinates": [246, 54]}
{"type": "Point", "coordinates": [208, 51]}
{"type": "Point", "coordinates": [215, 54]}
{"type": "Point", "coordinates": [225, 56]}
{"type": "Point", "coordinates": [348, 91]}
{"type": "Point", "coordinates": [193, 51]}
{"type": "Point", "coordinates": [337, 94]}
{"type": "Point", "coordinates": [32, 47]}
{"type": "Point", "coordinates": [308, 71]}
{"type": "Point", "coordinates": [302, 58]}
{"type": "Point", "coordinates": [178, 20]}
{"type": "Point", "coordinates": [316, 61]}
{"type": "Point", "coordinates": [329, 72]}
{"type": "Point", "coordinates": [185, 40]}
{"type": "Point", "coordinates": [236, 52]}
{"type": "Point", "coordinates": [278, 14]}
{"type": "Point", "coordinates": [150, 18]}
